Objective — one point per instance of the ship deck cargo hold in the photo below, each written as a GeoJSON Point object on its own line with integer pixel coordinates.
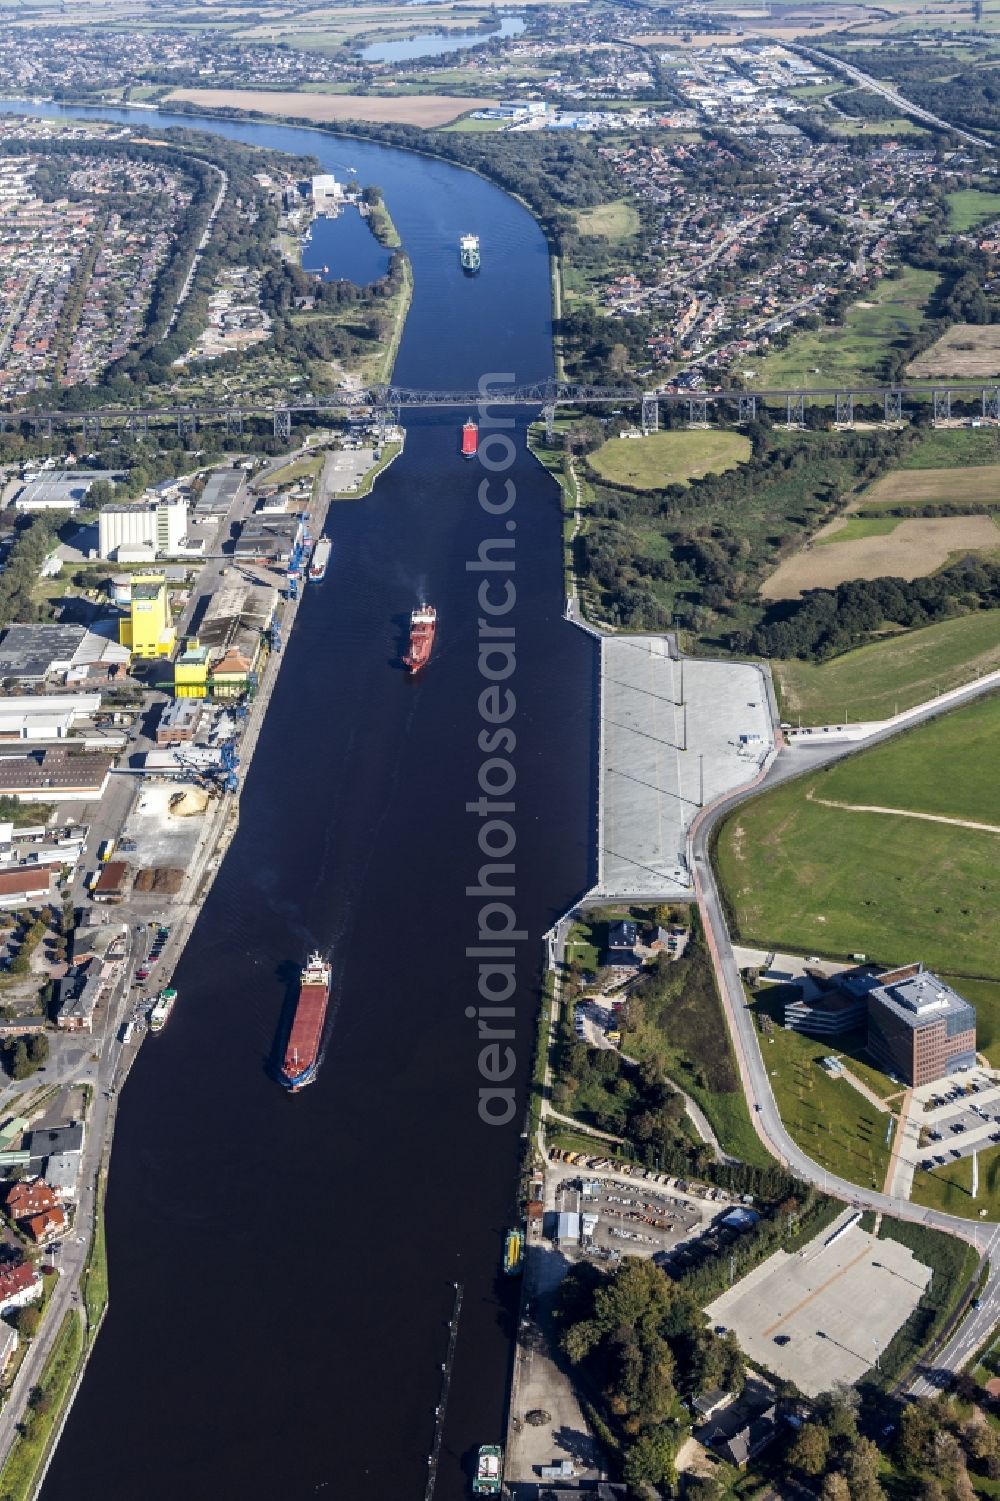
{"type": "Point", "coordinates": [306, 1035]}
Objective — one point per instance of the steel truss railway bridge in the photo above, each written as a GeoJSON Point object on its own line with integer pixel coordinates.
{"type": "Point", "coordinates": [387, 402]}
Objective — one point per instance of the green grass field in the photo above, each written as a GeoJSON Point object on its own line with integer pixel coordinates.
{"type": "Point", "coordinates": [612, 221]}
{"type": "Point", "coordinates": [885, 677]}
{"type": "Point", "coordinates": [828, 1117]}
{"type": "Point", "coordinates": [668, 458]}
{"type": "Point", "coordinates": [950, 1187]}
{"type": "Point", "coordinates": [852, 353]}
{"type": "Point", "coordinates": [954, 447]}
{"type": "Point", "coordinates": [969, 206]}
{"type": "Point", "coordinates": [859, 526]}
{"type": "Point", "coordinates": [985, 996]}
{"type": "Point", "coordinates": [800, 874]}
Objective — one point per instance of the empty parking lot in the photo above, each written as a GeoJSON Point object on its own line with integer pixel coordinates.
{"type": "Point", "coordinates": [827, 1313]}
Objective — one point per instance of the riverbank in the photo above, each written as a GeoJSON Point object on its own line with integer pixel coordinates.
{"type": "Point", "coordinates": [65, 1360]}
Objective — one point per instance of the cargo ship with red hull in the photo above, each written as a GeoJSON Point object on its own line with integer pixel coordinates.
{"type": "Point", "coordinates": [470, 439]}
{"type": "Point", "coordinates": [301, 1060]}
{"type": "Point", "coordinates": [423, 625]}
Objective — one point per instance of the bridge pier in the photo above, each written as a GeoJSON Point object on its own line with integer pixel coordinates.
{"type": "Point", "coordinates": [41, 427]}
{"type": "Point", "coordinates": [893, 406]}
{"type": "Point", "coordinates": [282, 423]}
{"type": "Point", "coordinates": [91, 427]}
{"type": "Point", "coordinates": [137, 427]}
{"type": "Point", "coordinates": [845, 409]}
{"type": "Point", "coordinates": [187, 425]}
{"type": "Point", "coordinates": [650, 412]}
{"type": "Point", "coordinates": [234, 424]}
{"type": "Point", "coordinates": [698, 410]}
{"type": "Point", "coordinates": [991, 404]}
{"type": "Point", "coordinates": [942, 406]}
{"type": "Point", "coordinates": [748, 408]}
{"type": "Point", "coordinates": [796, 411]}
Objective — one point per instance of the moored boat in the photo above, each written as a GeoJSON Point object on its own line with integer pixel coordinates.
{"type": "Point", "coordinates": [489, 1471]}
{"type": "Point", "coordinates": [301, 1059]}
{"type": "Point", "coordinates": [320, 558]}
{"type": "Point", "coordinates": [161, 1009]}
{"type": "Point", "coordinates": [513, 1252]}
{"type": "Point", "coordinates": [423, 626]}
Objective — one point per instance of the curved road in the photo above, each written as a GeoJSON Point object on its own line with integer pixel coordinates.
{"type": "Point", "coordinates": [756, 1084]}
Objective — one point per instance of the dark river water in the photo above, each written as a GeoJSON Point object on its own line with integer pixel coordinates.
{"type": "Point", "coordinates": [282, 1268]}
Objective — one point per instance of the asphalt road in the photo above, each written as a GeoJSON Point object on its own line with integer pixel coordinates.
{"type": "Point", "coordinates": [789, 763]}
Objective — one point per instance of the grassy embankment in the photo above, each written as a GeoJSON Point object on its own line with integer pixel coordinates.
{"type": "Point", "coordinates": [828, 1117]}
{"type": "Point", "coordinates": [885, 677]}
{"type": "Point", "coordinates": [814, 878]}
{"type": "Point", "coordinates": [19, 1474]}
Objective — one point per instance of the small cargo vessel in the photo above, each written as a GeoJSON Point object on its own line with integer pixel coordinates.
{"type": "Point", "coordinates": [470, 439]}
{"type": "Point", "coordinates": [423, 625]}
{"type": "Point", "coordinates": [468, 251]}
{"type": "Point", "coordinates": [161, 1009]}
{"type": "Point", "coordinates": [489, 1471]}
{"type": "Point", "coordinates": [513, 1252]}
{"type": "Point", "coordinates": [320, 559]}
{"type": "Point", "coordinates": [302, 1049]}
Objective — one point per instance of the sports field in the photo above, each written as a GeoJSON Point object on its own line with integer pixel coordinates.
{"type": "Point", "coordinates": [885, 677]}
{"type": "Point", "coordinates": [413, 109]}
{"type": "Point", "coordinates": [851, 353]}
{"type": "Point", "coordinates": [668, 458]}
{"type": "Point", "coordinates": [803, 868]}
{"type": "Point", "coordinates": [907, 549]}
{"type": "Point", "coordinates": [618, 220]}
{"type": "Point", "coordinates": [976, 484]}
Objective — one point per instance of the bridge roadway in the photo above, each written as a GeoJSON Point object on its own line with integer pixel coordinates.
{"type": "Point", "coordinates": [547, 394]}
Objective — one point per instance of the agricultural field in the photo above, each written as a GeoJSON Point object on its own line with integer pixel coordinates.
{"type": "Point", "coordinates": [852, 353]}
{"type": "Point", "coordinates": [967, 349]}
{"type": "Point", "coordinates": [836, 863]}
{"type": "Point", "coordinates": [970, 206]}
{"type": "Point", "coordinates": [907, 549]}
{"type": "Point", "coordinates": [612, 221]}
{"type": "Point", "coordinates": [885, 677]}
{"type": "Point", "coordinates": [668, 458]}
{"type": "Point", "coordinates": [428, 110]}
{"type": "Point", "coordinates": [979, 484]}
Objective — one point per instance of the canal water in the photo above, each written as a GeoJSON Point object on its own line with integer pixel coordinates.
{"type": "Point", "coordinates": [344, 249]}
{"type": "Point", "coordinates": [282, 1268]}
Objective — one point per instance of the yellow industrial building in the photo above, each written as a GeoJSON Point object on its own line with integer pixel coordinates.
{"type": "Point", "coordinates": [148, 630]}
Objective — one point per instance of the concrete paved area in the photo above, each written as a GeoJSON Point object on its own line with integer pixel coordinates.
{"type": "Point", "coordinates": [670, 740]}
{"type": "Point", "coordinates": [541, 1384]}
{"type": "Point", "coordinates": [346, 468]}
{"type": "Point", "coordinates": [825, 1314]}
